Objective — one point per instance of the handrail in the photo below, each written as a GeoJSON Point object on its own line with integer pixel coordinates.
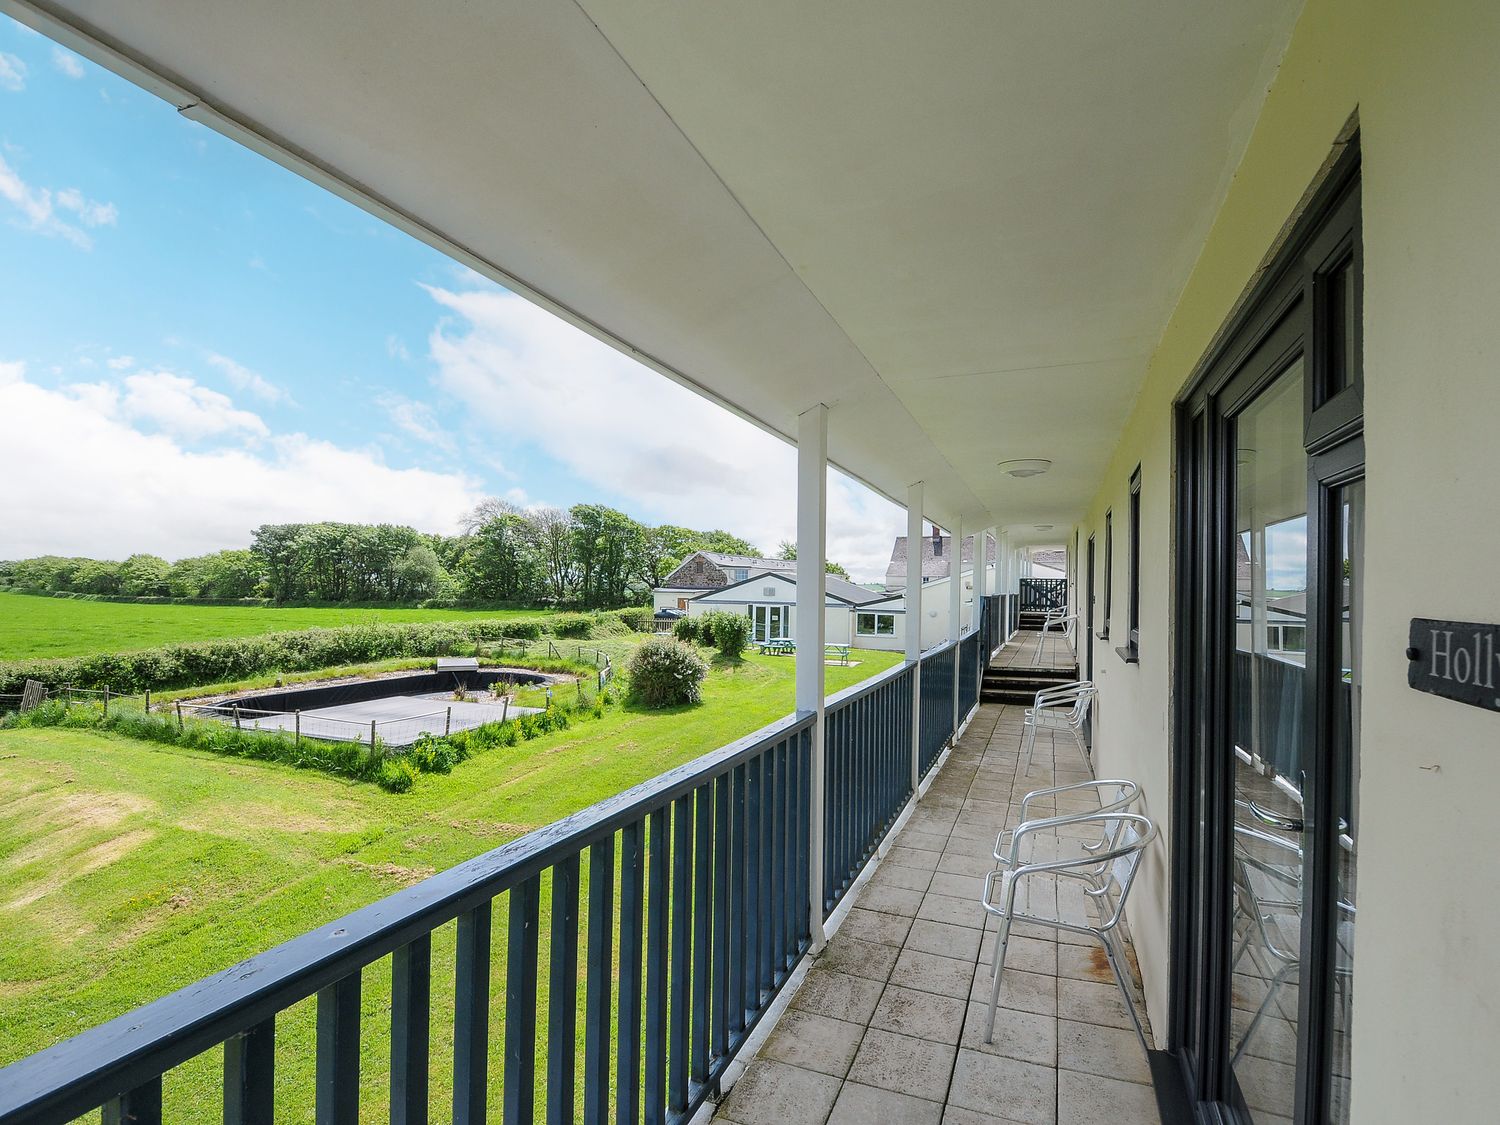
{"type": "Point", "coordinates": [79, 1074]}
{"type": "Point", "coordinates": [860, 690]}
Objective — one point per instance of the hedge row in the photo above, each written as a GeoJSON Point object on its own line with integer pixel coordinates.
{"type": "Point", "coordinates": [193, 663]}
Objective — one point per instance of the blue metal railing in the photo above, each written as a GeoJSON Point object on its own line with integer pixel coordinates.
{"type": "Point", "coordinates": [1040, 594]}
{"type": "Point", "coordinates": [691, 886]}
{"type": "Point", "coordinates": [937, 668]}
{"type": "Point", "coordinates": [992, 622]}
{"type": "Point", "coordinates": [969, 671]}
{"type": "Point", "coordinates": [712, 863]}
{"type": "Point", "coordinates": [867, 774]}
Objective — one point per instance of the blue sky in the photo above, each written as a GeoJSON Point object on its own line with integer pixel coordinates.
{"type": "Point", "coordinates": [194, 340]}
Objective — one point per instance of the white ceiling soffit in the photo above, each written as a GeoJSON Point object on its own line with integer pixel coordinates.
{"type": "Point", "coordinates": [961, 225]}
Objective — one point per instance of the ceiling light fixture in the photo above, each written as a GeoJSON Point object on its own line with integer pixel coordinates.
{"type": "Point", "coordinates": [1044, 526]}
{"type": "Point", "coordinates": [1026, 466]}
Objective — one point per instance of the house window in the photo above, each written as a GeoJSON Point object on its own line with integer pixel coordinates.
{"type": "Point", "coordinates": [1109, 571]}
{"type": "Point", "coordinates": [875, 624]}
{"type": "Point", "coordinates": [739, 574]}
{"type": "Point", "coordinates": [1131, 651]}
{"type": "Point", "coordinates": [768, 591]}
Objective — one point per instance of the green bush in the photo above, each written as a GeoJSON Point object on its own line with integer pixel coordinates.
{"type": "Point", "coordinates": [687, 630]}
{"type": "Point", "coordinates": [637, 618]}
{"type": "Point", "coordinates": [396, 775]}
{"type": "Point", "coordinates": [666, 673]}
{"type": "Point", "coordinates": [434, 755]}
{"type": "Point", "coordinates": [226, 661]}
{"type": "Point", "coordinates": [577, 626]}
{"type": "Point", "coordinates": [521, 630]}
{"type": "Point", "coordinates": [730, 632]}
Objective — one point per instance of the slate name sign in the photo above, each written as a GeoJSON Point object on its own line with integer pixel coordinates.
{"type": "Point", "coordinates": [1458, 660]}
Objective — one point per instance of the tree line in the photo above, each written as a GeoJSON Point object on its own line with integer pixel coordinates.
{"type": "Point", "coordinates": [589, 556]}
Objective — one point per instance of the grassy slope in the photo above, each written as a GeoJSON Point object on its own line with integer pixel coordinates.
{"type": "Point", "coordinates": [130, 870]}
{"type": "Point", "coordinates": [37, 627]}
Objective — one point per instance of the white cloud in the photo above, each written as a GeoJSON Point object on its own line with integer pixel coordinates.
{"type": "Point", "coordinates": [396, 349]}
{"type": "Point", "coordinates": [39, 208]}
{"type": "Point", "coordinates": [90, 212]}
{"type": "Point", "coordinates": [178, 406]}
{"type": "Point", "coordinates": [241, 378]}
{"type": "Point", "coordinates": [132, 491]}
{"type": "Point", "coordinates": [415, 419]}
{"type": "Point", "coordinates": [12, 73]}
{"type": "Point", "coordinates": [120, 362]}
{"type": "Point", "coordinates": [678, 457]}
{"type": "Point", "coordinates": [67, 62]}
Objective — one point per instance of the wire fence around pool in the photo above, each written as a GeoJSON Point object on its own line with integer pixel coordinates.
{"type": "Point", "coordinates": [399, 731]}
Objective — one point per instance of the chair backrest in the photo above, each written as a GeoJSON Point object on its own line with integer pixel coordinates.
{"type": "Point", "coordinates": [1127, 836]}
{"type": "Point", "coordinates": [1082, 702]}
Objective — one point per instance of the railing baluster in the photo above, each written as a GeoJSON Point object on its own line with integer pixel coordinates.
{"type": "Point", "coordinates": [703, 871]}
{"type": "Point", "coordinates": [249, 1075]}
{"type": "Point", "coordinates": [562, 993]}
{"type": "Point", "coordinates": [719, 1001]}
{"type": "Point", "coordinates": [628, 1049]}
{"type": "Point", "coordinates": [752, 889]}
{"type": "Point", "coordinates": [804, 833]}
{"type": "Point", "coordinates": [142, 1106]}
{"type": "Point", "coordinates": [680, 1008]}
{"type": "Point", "coordinates": [337, 1078]}
{"type": "Point", "coordinates": [471, 1018]}
{"type": "Point", "coordinates": [765, 976]}
{"type": "Point", "coordinates": [520, 1001]}
{"type": "Point", "coordinates": [776, 768]}
{"type": "Point", "coordinates": [600, 962]}
{"type": "Point", "coordinates": [738, 924]}
{"type": "Point", "coordinates": [656, 969]}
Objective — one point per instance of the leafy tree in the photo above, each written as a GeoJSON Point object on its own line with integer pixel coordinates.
{"type": "Point", "coordinates": [554, 539]}
{"type": "Point", "coordinates": [501, 561]}
{"type": "Point", "coordinates": [144, 575]}
{"type": "Point", "coordinates": [788, 550]}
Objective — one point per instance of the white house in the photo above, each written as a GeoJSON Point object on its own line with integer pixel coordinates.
{"type": "Point", "coordinates": [711, 570]}
{"type": "Point", "coordinates": [771, 602]}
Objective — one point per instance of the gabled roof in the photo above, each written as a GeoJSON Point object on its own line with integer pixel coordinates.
{"type": "Point", "coordinates": [709, 570]}
{"type": "Point", "coordinates": [836, 588]}
{"type": "Point", "coordinates": [1056, 558]}
{"type": "Point", "coordinates": [780, 566]}
{"type": "Point", "coordinates": [934, 562]}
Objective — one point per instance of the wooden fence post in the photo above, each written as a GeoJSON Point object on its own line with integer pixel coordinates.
{"type": "Point", "coordinates": [106, 701]}
{"type": "Point", "coordinates": [372, 735]}
{"type": "Point", "coordinates": [297, 728]}
{"type": "Point", "coordinates": [179, 715]}
{"type": "Point", "coordinates": [236, 716]}
{"type": "Point", "coordinates": [448, 723]}
{"type": "Point", "coordinates": [148, 701]}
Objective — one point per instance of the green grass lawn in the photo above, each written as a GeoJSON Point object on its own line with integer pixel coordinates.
{"type": "Point", "coordinates": [131, 869]}
{"type": "Point", "coordinates": [34, 627]}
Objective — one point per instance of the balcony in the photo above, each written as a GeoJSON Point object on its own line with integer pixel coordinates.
{"type": "Point", "coordinates": [888, 1023]}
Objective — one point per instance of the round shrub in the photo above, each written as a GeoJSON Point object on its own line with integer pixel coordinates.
{"type": "Point", "coordinates": [666, 673]}
{"type": "Point", "coordinates": [578, 626]}
{"type": "Point", "coordinates": [433, 755]}
{"type": "Point", "coordinates": [731, 633]}
{"type": "Point", "coordinates": [638, 618]}
{"type": "Point", "coordinates": [686, 630]}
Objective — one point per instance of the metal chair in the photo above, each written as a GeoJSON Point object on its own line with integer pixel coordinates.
{"type": "Point", "coordinates": [1063, 708]}
{"type": "Point", "coordinates": [1059, 617]}
{"type": "Point", "coordinates": [1107, 874]}
{"type": "Point", "coordinates": [1113, 796]}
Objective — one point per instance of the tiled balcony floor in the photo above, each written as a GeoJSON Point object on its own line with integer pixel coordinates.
{"type": "Point", "coordinates": [888, 1025]}
{"type": "Point", "coordinates": [1023, 652]}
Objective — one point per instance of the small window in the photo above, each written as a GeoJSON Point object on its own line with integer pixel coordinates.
{"type": "Point", "coordinates": [768, 591]}
{"type": "Point", "coordinates": [1109, 572]}
{"type": "Point", "coordinates": [1133, 607]}
{"type": "Point", "coordinates": [875, 624]}
{"type": "Point", "coordinates": [739, 574]}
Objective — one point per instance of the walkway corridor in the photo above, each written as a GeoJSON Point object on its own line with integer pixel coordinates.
{"type": "Point", "coordinates": [888, 1026]}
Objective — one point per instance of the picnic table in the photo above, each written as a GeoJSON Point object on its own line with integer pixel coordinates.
{"type": "Point", "coordinates": [779, 647]}
{"type": "Point", "coordinates": [840, 652]}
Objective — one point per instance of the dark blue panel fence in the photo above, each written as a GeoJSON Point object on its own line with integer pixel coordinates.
{"type": "Point", "coordinates": [1041, 594]}
{"type": "Point", "coordinates": [691, 944]}
{"type": "Point", "coordinates": [1013, 612]}
{"type": "Point", "coordinates": [867, 774]}
{"type": "Point", "coordinates": [991, 622]}
{"type": "Point", "coordinates": [937, 669]}
{"type": "Point", "coordinates": [969, 672]}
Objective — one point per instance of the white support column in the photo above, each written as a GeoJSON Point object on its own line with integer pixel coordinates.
{"type": "Point", "coordinates": [981, 575]}
{"type": "Point", "coordinates": [914, 618]}
{"type": "Point", "coordinates": [956, 604]}
{"type": "Point", "coordinates": [812, 549]}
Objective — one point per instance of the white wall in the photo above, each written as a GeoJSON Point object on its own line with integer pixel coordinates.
{"type": "Point", "coordinates": [1427, 89]}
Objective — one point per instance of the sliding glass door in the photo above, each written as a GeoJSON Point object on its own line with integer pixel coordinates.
{"type": "Point", "coordinates": [1271, 510]}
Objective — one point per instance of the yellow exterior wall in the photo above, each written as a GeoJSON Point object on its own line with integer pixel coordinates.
{"type": "Point", "coordinates": [1425, 79]}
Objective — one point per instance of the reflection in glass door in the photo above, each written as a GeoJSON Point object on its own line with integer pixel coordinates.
{"type": "Point", "coordinates": [771, 622]}
{"type": "Point", "coordinates": [1267, 690]}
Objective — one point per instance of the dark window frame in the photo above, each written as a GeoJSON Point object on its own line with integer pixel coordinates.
{"type": "Point", "coordinates": [1130, 652]}
{"type": "Point", "coordinates": [1109, 572]}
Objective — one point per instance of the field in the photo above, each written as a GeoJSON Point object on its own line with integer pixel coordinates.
{"type": "Point", "coordinates": [38, 628]}
{"type": "Point", "coordinates": [130, 869]}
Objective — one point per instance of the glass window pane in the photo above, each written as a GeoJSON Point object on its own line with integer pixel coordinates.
{"type": "Point", "coordinates": [1268, 689]}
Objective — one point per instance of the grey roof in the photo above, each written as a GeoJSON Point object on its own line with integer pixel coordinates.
{"type": "Point", "coordinates": [1057, 558]}
{"type": "Point", "coordinates": [834, 587]}
{"type": "Point", "coordinates": [934, 563]}
{"type": "Point", "coordinates": [750, 562]}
